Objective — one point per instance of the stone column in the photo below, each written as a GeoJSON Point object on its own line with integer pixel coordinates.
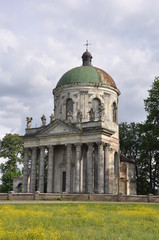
{"type": "Point", "coordinates": [77, 168]}
{"type": "Point", "coordinates": [33, 171]}
{"type": "Point", "coordinates": [68, 169]}
{"type": "Point", "coordinates": [50, 170]}
{"type": "Point", "coordinates": [41, 170]}
{"type": "Point", "coordinates": [90, 168]}
{"type": "Point", "coordinates": [107, 169]}
{"type": "Point", "coordinates": [100, 179]}
{"type": "Point", "coordinates": [111, 170]}
{"type": "Point", "coordinates": [84, 153]}
{"type": "Point", "coordinates": [25, 171]}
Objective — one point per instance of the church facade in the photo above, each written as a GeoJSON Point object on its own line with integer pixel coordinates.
{"type": "Point", "coordinates": [78, 151]}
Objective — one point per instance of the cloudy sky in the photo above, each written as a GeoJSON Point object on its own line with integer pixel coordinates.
{"type": "Point", "coordinates": [41, 39]}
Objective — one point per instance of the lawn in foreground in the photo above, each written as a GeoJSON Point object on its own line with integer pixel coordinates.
{"type": "Point", "coordinates": [79, 221]}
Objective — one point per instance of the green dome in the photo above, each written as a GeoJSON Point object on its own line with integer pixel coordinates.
{"type": "Point", "coordinates": [86, 75]}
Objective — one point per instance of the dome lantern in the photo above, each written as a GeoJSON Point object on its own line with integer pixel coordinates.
{"type": "Point", "coordinates": [87, 58]}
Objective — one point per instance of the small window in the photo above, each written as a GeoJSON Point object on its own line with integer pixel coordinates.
{"type": "Point", "coordinates": [69, 107]}
{"type": "Point", "coordinates": [114, 112]}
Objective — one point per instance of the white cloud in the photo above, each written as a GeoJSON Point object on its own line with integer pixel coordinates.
{"type": "Point", "coordinates": [7, 40]}
{"type": "Point", "coordinates": [41, 40]}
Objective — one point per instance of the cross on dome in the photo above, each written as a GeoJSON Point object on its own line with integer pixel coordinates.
{"type": "Point", "coordinates": [87, 44]}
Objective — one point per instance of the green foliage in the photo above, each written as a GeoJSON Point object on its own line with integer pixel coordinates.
{"type": "Point", "coordinates": [152, 103]}
{"type": "Point", "coordinates": [12, 150]}
{"type": "Point", "coordinates": [7, 179]}
{"type": "Point", "coordinates": [129, 139]}
{"type": "Point", "coordinates": [140, 141]}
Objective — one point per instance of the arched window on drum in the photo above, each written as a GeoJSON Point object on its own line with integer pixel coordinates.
{"type": "Point", "coordinates": [69, 108]}
{"type": "Point", "coordinates": [114, 112]}
{"type": "Point", "coordinates": [96, 105]}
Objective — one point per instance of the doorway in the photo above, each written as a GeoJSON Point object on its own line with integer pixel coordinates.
{"type": "Point", "coordinates": [64, 181]}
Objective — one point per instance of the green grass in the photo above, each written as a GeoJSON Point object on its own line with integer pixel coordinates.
{"type": "Point", "coordinates": [79, 221]}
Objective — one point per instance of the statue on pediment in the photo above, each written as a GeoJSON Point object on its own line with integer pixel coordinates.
{"type": "Point", "coordinates": [29, 120]}
{"type": "Point", "coordinates": [43, 119]}
{"type": "Point", "coordinates": [52, 118]}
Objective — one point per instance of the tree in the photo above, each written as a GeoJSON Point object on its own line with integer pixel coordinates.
{"type": "Point", "coordinates": [140, 141]}
{"type": "Point", "coordinates": [152, 104]}
{"type": "Point", "coordinates": [152, 131]}
{"type": "Point", "coordinates": [134, 145]}
{"type": "Point", "coordinates": [130, 146]}
{"type": "Point", "coordinates": [12, 150]}
{"type": "Point", "coordinates": [129, 139]}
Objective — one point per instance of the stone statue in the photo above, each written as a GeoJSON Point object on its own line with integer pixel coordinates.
{"type": "Point", "coordinates": [52, 118]}
{"type": "Point", "coordinates": [79, 116]}
{"type": "Point", "coordinates": [100, 112]}
{"type": "Point", "coordinates": [69, 116]}
{"type": "Point", "coordinates": [43, 119]}
{"type": "Point", "coordinates": [29, 120]}
{"type": "Point", "coordinates": [91, 115]}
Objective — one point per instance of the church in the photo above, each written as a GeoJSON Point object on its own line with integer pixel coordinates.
{"type": "Point", "coordinates": [78, 150]}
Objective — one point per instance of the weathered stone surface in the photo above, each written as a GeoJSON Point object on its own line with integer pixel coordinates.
{"type": "Point", "coordinates": [37, 196]}
{"type": "Point", "coordinates": [84, 134]}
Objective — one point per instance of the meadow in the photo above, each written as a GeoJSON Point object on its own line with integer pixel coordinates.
{"type": "Point", "coordinates": [112, 221]}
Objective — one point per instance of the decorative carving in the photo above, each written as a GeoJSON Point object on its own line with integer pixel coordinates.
{"type": "Point", "coordinates": [61, 110]}
{"type": "Point", "coordinates": [102, 144]}
{"type": "Point", "coordinates": [75, 95]}
{"type": "Point", "coordinates": [90, 144]}
{"type": "Point", "coordinates": [52, 118]}
{"type": "Point", "coordinates": [55, 103]}
{"type": "Point", "coordinates": [79, 116]}
{"type": "Point", "coordinates": [29, 120]}
{"type": "Point", "coordinates": [91, 115]}
{"type": "Point", "coordinates": [43, 119]}
{"type": "Point", "coordinates": [107, 94]}
{"type": "Point", "coordinates": [102, 96]}
{"type": "Point", "coordinates": [83, 92]}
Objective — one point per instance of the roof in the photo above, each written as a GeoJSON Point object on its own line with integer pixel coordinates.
{"type": "Point", "coordinates": [126, 159]}
{"type": "Point", "coordinates": [86, 75]}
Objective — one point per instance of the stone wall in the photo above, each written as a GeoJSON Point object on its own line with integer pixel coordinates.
{"type": "Point", "coordinates": [17, 184]}
{"type": "Point", "coordinates": [78, 197]}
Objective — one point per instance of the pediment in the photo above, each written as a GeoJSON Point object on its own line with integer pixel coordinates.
{"type": "Point", "coordinates": [58, 127]}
